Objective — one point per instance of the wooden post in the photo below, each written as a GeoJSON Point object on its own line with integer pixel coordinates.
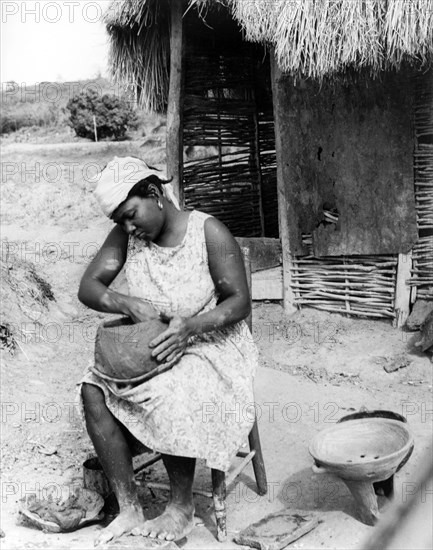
{"type": "Point", "coordinates": [288, 293]}
{"type": "Point", "coordinates": [413, 294]}
{"type": "Point", "coordinates": [219, 494]}
{"type": "Point", "coordinates": [247, 263]}
{"type": "Point", "coordinates": [256, 153]}
{"type": "Point", "coordinates": [402, 289]}
{"type": "Point", "coordinates": [94, 128]}
{"type": "Point", "coordinates": [174, 145]}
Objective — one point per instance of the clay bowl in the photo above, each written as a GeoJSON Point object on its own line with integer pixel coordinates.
{"type": "Point", "coordinates": [377, 413]}
{"type": "Point", "coordinates": [364, 449]}
{"type": "Point", "coordinates": [122, 352]}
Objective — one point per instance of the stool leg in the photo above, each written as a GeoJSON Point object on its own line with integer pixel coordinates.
{"type": "Point", "coordinates": [219, 494]}
{"type": "Point", "coordinates": [385, 487]}
{"type": "Point", "coordinates": [366, 500]}
{"type": "Point", "coordinates": [258, 462]}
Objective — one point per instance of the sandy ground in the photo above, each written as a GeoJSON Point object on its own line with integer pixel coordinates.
{"type": "Point", "coordinates": [315, 368]}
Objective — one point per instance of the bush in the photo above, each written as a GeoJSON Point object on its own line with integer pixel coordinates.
{"type": "Point", "coordinates": [114, 116]}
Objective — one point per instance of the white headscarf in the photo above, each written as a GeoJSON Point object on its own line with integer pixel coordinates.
{"type": "Point", "coordinates": [118, 178]}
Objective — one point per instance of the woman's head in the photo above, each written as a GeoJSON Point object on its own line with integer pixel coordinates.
{"type": "Point", "coordinates": [146, 188]}
{"type": "Point", "coordinates": [142, 212]}
{"type": "Point", "coordinates": [128, 187]}
{"type": "Point", "coordinates": [118, 178]}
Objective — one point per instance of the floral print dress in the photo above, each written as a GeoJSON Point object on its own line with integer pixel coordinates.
{"type": "Point", "coordinates": [204, 406]}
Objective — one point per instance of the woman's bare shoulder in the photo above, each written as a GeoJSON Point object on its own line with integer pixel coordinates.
{"type": "Point", "coordinates": [116, 237]}
{"type": "Point", "coordinates": [215, 230]}
{"type": "Point", "coordinates": [112, 254]}
{"type": "Point", "coordinates": [109, 260]}
{"type": "Point", "coordinates": [220, 243]}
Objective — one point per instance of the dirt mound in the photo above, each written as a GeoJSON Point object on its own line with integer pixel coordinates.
{"type": "Point", "coordinates": [25, 298]}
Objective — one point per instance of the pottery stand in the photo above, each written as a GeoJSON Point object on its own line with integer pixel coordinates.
{"type": "Point", "coordinates": [365, 453]}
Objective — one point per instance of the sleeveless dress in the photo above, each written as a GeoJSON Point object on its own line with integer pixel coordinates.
{"type": "Point", "coordinates": [204, 406]}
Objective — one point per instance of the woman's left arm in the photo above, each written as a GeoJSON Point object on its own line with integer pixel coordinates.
{"type": "Point", "coordinates": [227, 270]}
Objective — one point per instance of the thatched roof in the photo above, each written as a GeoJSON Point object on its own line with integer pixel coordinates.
{"type": "Point", "coordinates": [311, 38]}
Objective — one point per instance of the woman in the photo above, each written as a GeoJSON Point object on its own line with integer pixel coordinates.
{"type": "Point", "coordinates": [186, 267]}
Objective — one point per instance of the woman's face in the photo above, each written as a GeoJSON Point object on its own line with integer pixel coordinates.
{"type": "Point", "coordinates": [140, 217]}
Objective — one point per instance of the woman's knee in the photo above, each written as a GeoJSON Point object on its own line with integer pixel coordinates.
{"type": "Point", "coordinates": [93, 402]}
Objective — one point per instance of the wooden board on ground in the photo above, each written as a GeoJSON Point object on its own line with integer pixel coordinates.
{"type": "Point", "coordinates": [266, 267]}
{"type": "Point", "coordinates": [264, 252]}
{"type": "Point", "coordinates": [268, 284]}
{"type": "Point", "coordinates": [277, 530]}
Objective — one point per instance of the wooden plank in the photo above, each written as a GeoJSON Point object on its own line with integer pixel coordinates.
{"type": "Point", "coordinates": [247, 262]}
{"type": "Point", "coordinates": [283, 205]}
{"type": "Point", "coordinates": [402, 289]}
{"type": "Point", "coordinates": [276, 531]}
{"type": "Point", "coordinates": [348, 150]}
{"type": "Point", "coordinates": [413, 294]}
{"type": "Point", "coordinates": [268, 284]}
{"type": "Point", "coordinates": [256, 155]}
{"type": "Point", "coordinates": [174, 146]}
{"type": "Point", "coordinates": [264, 252]}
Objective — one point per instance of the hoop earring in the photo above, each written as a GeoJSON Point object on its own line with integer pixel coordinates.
{"type": "Point", "coordinates": [159, 203]}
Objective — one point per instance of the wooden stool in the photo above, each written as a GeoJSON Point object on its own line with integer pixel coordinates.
{"type": "Point", "coordinates": [220, 482]}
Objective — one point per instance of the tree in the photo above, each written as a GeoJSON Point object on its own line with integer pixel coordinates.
{"type": "Point", "coordinates": [113, 115]}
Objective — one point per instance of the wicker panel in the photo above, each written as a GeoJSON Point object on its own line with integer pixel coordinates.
{"type": "Point", "coordinates": [220, 111]}
{"type": "Point", "coordinates": [268, 167]}
{"type": "Point", "coordinates": [422, 270]}
{"type": "Point", "coordinates": [221, 186]}
{"type": "Point", "coordinates": [422, 254]}
{"type": "Point", "coordinates": [218, 122]}
{"type": "Point", "coordinates": [363, 286]}
{"type": "Point", "coordinates": [231, 74]}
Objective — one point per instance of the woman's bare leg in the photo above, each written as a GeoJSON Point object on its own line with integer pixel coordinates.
{"type": "Point", "coordinates": [115, 457]}
{"type": "Point", "coordinates": [177, 520]}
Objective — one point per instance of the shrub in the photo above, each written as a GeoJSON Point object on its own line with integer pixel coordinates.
{"type": "Point", "coordinates": [113, 115]}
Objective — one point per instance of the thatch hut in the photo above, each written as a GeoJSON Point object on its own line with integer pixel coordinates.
{"type": "Point", "coordinates": [318, 116]}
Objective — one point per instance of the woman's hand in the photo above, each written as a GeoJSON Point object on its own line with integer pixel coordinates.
{"type": "Point", "coordinates": [139, 310]}
{"type": "Point", "coordinates": [171, 344]}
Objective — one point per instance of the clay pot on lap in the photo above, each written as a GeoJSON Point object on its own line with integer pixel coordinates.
{"type": "Point", "coordinates": [122, 352]}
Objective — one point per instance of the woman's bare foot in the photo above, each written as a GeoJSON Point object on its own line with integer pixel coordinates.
{"type": "Point", "coordinates": [125, 522]}
{"type": "Point", "coordinates": [175, 523]}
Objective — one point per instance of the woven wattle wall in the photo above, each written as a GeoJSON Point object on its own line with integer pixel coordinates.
{"type": "Point", "coordinates": [422, 254]}
{"type": "Point", "coordinates": [363, 286]}
{"type": "Point", "coordinates": [268, 168]}
{"type": "Point", "coordinates": [220, 113]}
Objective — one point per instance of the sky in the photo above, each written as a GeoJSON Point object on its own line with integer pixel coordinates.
{"type": "Point", "coordinates": [52, 40]}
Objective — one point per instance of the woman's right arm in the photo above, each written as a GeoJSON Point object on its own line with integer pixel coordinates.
{"type": "Point", "coordinates": [102, 271]}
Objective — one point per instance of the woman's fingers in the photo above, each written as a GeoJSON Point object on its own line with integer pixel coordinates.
{"type": "Point", "coordinates": [172, 359]}
{"type": "Point", "coordinates": [160, 339]}
{"type": "Point", "coordinates": [162, 345]}
{"type": "Point", "coordinates": [175, 338]}
{"type": "Point", "coordinates": [140, 310]}
{"type": "Point", "coordinates": [168, 351]}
